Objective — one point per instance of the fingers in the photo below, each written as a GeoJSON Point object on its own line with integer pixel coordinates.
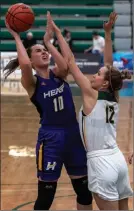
{"type": "Point", "coordinates": [7, 25]}
{"type": "Point", "coordinates": [9, 28]}
{"type": "Point", "coordinates": [49, 17]}
{"type": "Point", "coordinates": [112, 18]}
{"type": "Point", "coordinates": [105, 23]}
{"type": "Point", "coordinates": [51, 24]}
{"type": "Point", "coordinates": [49, 20]}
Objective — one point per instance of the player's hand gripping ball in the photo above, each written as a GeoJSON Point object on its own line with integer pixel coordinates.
{"type": "Point", "coordinates": [20, 17]}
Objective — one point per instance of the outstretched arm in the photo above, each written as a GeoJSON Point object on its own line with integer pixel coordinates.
{"type": "Point", "coordinates": [60, 69]}
{"type": "Point", "coordinates": [79, 77]}
{"type": "Point", "coordinates": [108, 50]}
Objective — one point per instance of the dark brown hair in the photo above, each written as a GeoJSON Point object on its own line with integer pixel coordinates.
{"type": "Point", "coordinates": [115, 78]}
{"type": "Point", "coordinates": [14, 63]}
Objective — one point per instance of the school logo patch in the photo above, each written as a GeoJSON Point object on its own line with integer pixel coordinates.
{"type": "Point", "coordinates": [51, 166]}
{"type": "Point", "coordinates": [43, 83]}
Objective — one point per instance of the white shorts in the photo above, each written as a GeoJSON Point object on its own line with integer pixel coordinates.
{"type": "Point", "coordinates": [108, 174]}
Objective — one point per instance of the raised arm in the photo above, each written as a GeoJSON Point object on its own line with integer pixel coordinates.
{"type": "Point", "coordinates": [80, 79]}
{"type": "Point", "coordinates": [108, 50]}
{"type": "Point", "coordinates": [61, 69]}
{"type": "Point", "coordinates": [28, 79]}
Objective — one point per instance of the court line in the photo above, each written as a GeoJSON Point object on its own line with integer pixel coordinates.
{"type": "Point", "coordinates": [30, 202]}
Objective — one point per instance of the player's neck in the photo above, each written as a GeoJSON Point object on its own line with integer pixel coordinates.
{"type": "Point", "coordinates": [43, 72]}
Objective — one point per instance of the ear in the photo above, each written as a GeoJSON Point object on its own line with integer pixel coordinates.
{"type": "Point", "coordinates": [106, 84]}
{"type": "Point", "coordinates": [31, 61]}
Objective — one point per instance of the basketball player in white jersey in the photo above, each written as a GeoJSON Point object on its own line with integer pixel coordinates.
{"type": "Point", "coordinates": [107, 169]}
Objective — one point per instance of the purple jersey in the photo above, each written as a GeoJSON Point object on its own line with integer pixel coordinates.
{"type": "Point", "coordinates": [54, 102]}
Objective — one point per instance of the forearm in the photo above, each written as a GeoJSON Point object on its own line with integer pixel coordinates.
{"type": "Point", "coordinates": [58, 58]}
{"type": "Point", "coordinates": [79, 77]}
{"type": "Point", "coordinates": [65, 49]}
{"type": "Point", "coordinates": [25, 64]}
{"type": "Point", "coordinates": [108, 50]}
{"type": "Point", "coordinates": [22, 54]}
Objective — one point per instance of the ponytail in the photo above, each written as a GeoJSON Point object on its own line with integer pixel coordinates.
{"type": "Point", "coordinates": [125, 74]}
{"type": "Point", "coordinates": [11, 67]}
{"type": "Point", "coordinates": [13, 64]}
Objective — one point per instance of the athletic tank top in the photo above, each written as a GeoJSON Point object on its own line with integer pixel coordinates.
{"type": "Point", "coordinates": [98, 129]}
{"type": "Point", "coordinates": [54, 102]}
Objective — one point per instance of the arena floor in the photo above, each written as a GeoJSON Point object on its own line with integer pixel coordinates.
{"type": "Point", "coordinates": [18, 169]}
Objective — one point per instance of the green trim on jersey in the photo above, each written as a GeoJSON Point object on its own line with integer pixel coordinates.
{"type": "Point", "coordinates": [106, 96]}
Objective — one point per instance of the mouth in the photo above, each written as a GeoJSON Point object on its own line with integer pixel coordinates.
{"type": "Point", "coordinates": [45, 57]}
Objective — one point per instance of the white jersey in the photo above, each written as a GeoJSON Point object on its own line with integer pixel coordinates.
{"type": "Point", "coordinates": [98, 129]}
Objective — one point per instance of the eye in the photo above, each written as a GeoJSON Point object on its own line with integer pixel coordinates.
{"type": "Point", "coordinates": [38, 50]}
{"type": "Point", "coordinates": [45, 50]}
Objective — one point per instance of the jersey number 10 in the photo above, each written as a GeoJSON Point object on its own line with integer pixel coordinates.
{"type": "Point", "coordinates": [58, 104]}
{"type": "Point", "coordinates": [109, 114]}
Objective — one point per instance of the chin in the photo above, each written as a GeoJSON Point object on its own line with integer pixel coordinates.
{"type": "Point", "coordinates": [95, 88]}
{"type": "Point", "coordinates": [46, 63]}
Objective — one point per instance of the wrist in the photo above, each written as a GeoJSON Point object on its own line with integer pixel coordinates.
{"type": "Point", "coordinates": [46, 39]}
{"type": "Point", "coordinates": [108, 32]}
{"type": "Point", "coordinates": [58, 32]}
{"type": "Point", "coordinates": [17, 37]}
{"type": "Point", "coordinates": [47, 42]}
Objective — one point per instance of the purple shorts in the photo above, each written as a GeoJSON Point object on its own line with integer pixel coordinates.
{"type": "Point", "coordinates": [56, 147]}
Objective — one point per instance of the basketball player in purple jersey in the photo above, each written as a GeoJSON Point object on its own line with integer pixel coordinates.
{"type": "Point", "coordinates": [59, 139]}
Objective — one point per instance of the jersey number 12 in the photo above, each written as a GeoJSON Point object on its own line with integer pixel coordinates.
{"type": "Point", "coordinates": [109, 114]}
{"type": "Point", "coordinates": [58, 104]}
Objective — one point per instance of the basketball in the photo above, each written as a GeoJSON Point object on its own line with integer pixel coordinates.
{"type": "Point", "coordinates": [20, 17]}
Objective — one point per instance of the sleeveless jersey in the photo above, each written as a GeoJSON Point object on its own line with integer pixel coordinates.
{"type": "Point", "coordinates": [54, 102]}
{"type": "Point", "coordinates": [98, 129]}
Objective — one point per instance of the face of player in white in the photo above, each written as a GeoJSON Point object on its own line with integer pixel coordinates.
{"type": "Point", "coordinates": [39, 56]}
{"type": "Point", "coordinates": [98, 80]}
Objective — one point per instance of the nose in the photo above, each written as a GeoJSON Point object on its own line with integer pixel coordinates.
{"type": "Point", "coordinates": [43, 52]}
